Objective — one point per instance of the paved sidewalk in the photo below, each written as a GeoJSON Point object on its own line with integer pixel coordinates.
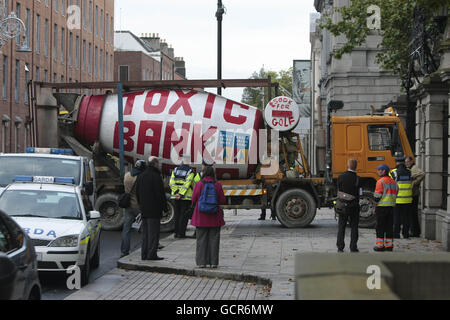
{"type": "Point", "coordinates": [252, 252]}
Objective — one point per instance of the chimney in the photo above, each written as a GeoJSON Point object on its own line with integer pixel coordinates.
{"type": "Point", "coordinates": [153, 41]}
{"type": "Point", "coordinates": [180, 66]}
{"type": "Point", "coordinates": [171, 52]}
{"type": "Point", "coordinates": [164, 47]}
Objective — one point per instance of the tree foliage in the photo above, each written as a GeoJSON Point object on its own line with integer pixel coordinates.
{"type": "Point", "coordinates": [254, 96]}
{"type": "Point", "coordinates": [397, 18]}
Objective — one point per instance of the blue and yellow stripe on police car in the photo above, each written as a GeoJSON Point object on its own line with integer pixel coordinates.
{"type": "Point", "coordinates": [85, 240]}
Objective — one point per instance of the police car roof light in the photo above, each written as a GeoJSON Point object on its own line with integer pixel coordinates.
{"type": "Point", "coordinates": [64, 180]}
{"type": "Point", "coordinates": [49, 151]}
{"type": "Point", "coordinates": [23, 179]}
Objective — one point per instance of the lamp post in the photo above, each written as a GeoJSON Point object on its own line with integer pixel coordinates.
{"type": "Point", "coordinates": [12, 26]}
{"type": "Point", "coordinates": [219, 15]}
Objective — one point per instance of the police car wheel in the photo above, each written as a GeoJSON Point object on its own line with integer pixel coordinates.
{"type": "Point", "coordinates": [86, 270]}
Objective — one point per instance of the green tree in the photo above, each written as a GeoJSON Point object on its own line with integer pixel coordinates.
{"type": "Point", "coordinates": [254, 96]}
{"type": "Point", "coordinates": [397, 18]}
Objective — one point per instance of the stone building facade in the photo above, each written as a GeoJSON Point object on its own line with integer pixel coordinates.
{"type": "Point", "coordinates": [356, 78]}
{"type": "Point", "coordinates": [62, 51]}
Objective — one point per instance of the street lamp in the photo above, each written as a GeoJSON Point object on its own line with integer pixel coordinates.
{"type": "Point", "coordinates": [11, 27]}
{"type": "Point", "coordinates": [219, 14]}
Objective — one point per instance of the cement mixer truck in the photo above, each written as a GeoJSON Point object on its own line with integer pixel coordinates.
{"type": "Point", "coordinates": [258, 159]}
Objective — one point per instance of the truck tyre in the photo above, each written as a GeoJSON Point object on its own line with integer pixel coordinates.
{"type": "Point", "coordinates": [95, 263]}
{"type": "Point", "coordinates": [110, 212]}
{"type": "Point", "coordinates": [295, 208]}
{"type": "Point", "coordinates": [168, 220]}
{"type": "Point", "coordinates": [367, 204]}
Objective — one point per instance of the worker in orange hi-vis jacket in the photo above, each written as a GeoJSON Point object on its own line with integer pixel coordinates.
{"type": "Point", "coordinates": [385, 194]}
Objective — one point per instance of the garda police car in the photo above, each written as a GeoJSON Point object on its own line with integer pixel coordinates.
{"type": "Point", "coordinates": [59, 219]}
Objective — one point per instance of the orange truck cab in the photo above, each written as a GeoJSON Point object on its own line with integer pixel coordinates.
{"type": "Point", "coordinates": [372, 140]}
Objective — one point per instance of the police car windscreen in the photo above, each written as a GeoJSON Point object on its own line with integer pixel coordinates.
{"type": "Point", "coordinates": [34, 166]}
{"type": "Point", "coordinates": [40, 203]}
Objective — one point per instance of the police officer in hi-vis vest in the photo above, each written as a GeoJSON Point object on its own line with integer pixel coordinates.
{"type": "Point", "coordinates": [402, 211]}
{"type": "Point", "coordinates": [182, 185]}
{"type": "Point", "coordinates": [385, 195]}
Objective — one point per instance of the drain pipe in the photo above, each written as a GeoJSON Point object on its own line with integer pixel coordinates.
{"type": "Point", "coordinates": [422, 153]}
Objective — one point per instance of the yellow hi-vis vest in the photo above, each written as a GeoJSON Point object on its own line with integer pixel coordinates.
{"type": "Point", "coordinates": [404, 183]}
{"type": "Point", "coordinates": [182, 182]}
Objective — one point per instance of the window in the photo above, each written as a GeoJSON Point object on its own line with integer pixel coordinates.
{"type": "Point", "coordinates": [54, 78]}
{"type": "Point", "coordinates": [5, 78]}
{"type": "Point", "coordinates": [384, 137]}
{"type": "Point", "coordinates": [55, 5]}
{"type": "Point", "coordinates": [101, 64]}
{"type": "Point", "coordinates": [47, 3]}
{"type": "Point", "coordinates": [111, 69]}
{"type": "Point", "coordinates": [123, 73]}
{"type": "Point", "coordinates": [38, 34]}
{"type": "Point", "coordinates": [46, 38]}
{"type": "Point", "coordinates": [101, 24]}
{"type": "Point", "coordinates": [96, 21]}
{"type": "Point", "coordinates": [112, 31]}
{"type": "Point", "coordinates": [55, 42]}
{"type": "Point", "coordinates": [84, 55]}
{"type": "Point", "coordinates": [17, 84]}
{"type": "Point", "coordinates": [77, 52]}
{"type": "Point", "coordinates": [70, 48]}
{"type": "Point", "coordinates": [90, 58]}
{"type": "Point", "coordinates": [90, 15]}
{"type": "Point", "coordinates": [84, 14]}
{"type": "Point", "coordinates": [18, 16]}
{"type": "Point", "coordinates": [11, 236]}
{"type": "Point", "coordinates": [45, 75]}
{"type": "Point", "coordinates": [106, 66]}
{"type": "Point", "coordinates": [37, 75]}
{"type": "Point", "coordinates": [96, 62]}
{"type": "Point", "coordinates": [27, 78]}
{"type": "Point", "coordinates": [27, 26]}
{"type": "Point", "coordinates": [107, 28]}
{"type": "Point", "coordinates": [63, 44]}
{"type": "Point", "coordinates": [5, 238]}
{"type": "Point", "coordinates": [63, 7]}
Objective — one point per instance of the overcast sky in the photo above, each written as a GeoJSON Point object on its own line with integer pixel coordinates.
{"type": "Point", "coordinates": [254, 33]}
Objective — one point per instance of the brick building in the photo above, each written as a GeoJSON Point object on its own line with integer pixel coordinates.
{"type": "Point", "coordinates": [67, 46]}
{"type": "Point", "coordinates": [145, 58]}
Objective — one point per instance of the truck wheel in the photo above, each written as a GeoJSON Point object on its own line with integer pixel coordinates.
{"type": "Point", "coordinates": [367, 204]}
{"type": "Point", "coordinates": [110, 212]}
{"type": "Point", "coordinates": [295, 208]}
{"type": "Point", "coordinates": [168, 220]}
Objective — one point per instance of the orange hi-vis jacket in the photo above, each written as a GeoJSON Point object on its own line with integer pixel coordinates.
{"type": "Point", "coordinates": [386, 190]}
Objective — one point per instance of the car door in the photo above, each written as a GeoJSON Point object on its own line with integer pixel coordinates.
{"type": "Point", "coordinates": [93, 224]}
{"type": "Point", "coordinates": [18, 253]}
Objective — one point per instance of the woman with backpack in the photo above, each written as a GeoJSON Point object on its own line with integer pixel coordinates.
{"type": "Point", "coordinates": [208, 218]}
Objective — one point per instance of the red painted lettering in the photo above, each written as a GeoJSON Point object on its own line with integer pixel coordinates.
{"type": "Point", "coordinates": [130, 102]}
{"type": "Point", "coordinates": [233, 119]}
{"type": "Point", "coordinates": [172, 139]}
{"type": "Point", "coordinates": [129, 129]}
{"type": "Point", "coordinates": [183, 101]}
{"type": "Point", "coordinates": [150, 107]}
{"type": "Point", "coordinates": [154, 140]}
{"type": "Point", "coordinates": [198, 142]}
{"type": "Point", "coordinates": [209, 106]}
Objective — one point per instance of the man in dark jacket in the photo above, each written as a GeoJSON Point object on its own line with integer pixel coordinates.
{"type": "Point", "coordinates": [348, 191]}
{"type": "Point", "coordinates": [152, 202]}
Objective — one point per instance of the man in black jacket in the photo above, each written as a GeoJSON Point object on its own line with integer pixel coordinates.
{"type": "Point", "coordinates": [348, 191]}
{"type": "Point", "coordinates": [152, 202]}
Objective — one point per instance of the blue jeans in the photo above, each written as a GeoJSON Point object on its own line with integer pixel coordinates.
{"type": "Point", "coordinates": [129, 216]}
